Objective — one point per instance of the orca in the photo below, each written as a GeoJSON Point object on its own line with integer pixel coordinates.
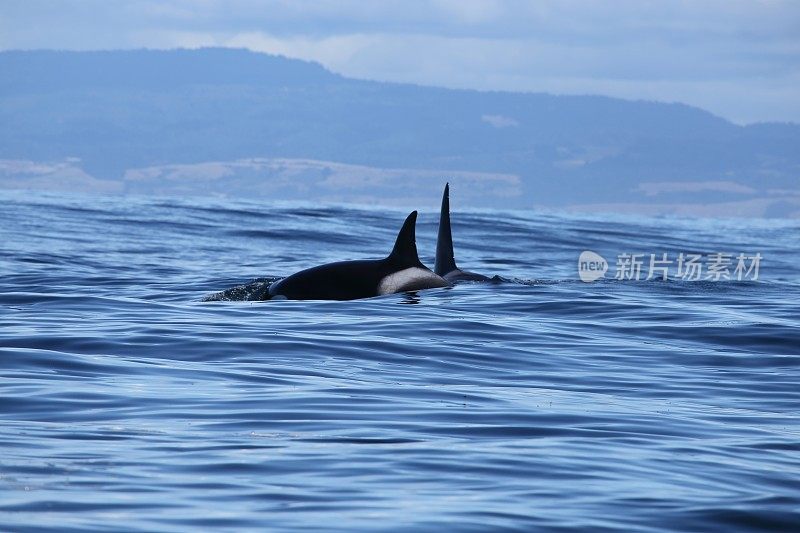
{"type": "Point", "coordinates": [350, 280]}
{"type": "Point", "coordinates": [445, 260]}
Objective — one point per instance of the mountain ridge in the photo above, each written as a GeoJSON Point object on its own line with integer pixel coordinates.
{"type": "Point", "coordinates": [118, 111]}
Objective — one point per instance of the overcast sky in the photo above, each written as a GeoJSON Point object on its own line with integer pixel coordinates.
{"type": "Point", "coordinates": [739, 59]}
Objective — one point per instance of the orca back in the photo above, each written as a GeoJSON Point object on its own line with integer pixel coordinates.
{"type": "Point", "coordinates": [400, 271]}
{"type": "Point", "coordinates": [445, 257]}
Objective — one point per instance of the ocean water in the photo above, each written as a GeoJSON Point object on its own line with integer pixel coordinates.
{"type": "Point", "coordinates": [539, 402]}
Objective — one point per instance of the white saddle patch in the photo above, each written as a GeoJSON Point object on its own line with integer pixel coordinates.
{"type": "Point", "coordinates": [410, 279]}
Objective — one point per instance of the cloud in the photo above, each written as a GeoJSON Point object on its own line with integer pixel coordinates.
{"type": "Point", "coordinates": [746, 51]}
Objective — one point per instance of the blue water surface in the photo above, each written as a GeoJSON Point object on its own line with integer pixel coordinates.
{"type": "Point", "coordinates": [130, 402]}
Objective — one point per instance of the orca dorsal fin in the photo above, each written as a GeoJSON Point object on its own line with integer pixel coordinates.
{"type": "Point", "coordinates": [445, 261]}
{"type": "Point", "coordinates": [405, 247]}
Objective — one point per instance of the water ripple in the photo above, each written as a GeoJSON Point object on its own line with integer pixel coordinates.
{"type": "Point", "coordinates": [144, 387]}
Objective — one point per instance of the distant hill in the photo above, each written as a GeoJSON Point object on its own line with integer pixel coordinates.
{"type": "Point", "coordinates": [224, 121]}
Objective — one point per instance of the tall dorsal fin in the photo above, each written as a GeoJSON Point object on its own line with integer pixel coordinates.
{"type": "Point", "coordinates": [445, 261]}
{"type": "Point", "coordinates": [405, 247]}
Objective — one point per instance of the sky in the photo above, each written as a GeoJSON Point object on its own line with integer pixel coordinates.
{"type": "Point", "coordinates": [739, 59]}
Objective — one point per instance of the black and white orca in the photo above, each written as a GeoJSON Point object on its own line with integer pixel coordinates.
{"type": "Point", "coordinates": [349, 280]}
{"type": "Point", "coordinates": [445, 260]}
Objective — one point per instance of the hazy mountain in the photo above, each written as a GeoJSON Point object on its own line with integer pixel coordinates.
{"type": "Point", "coordinates": [222, 121]}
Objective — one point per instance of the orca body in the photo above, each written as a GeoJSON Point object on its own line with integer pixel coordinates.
{"type": "Point", "coordinates": [349, 280]}
{"type": "Point", "coordinates": [445, 259]}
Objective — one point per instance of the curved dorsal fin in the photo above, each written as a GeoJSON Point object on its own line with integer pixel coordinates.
{"type": "Point", "coordinates": [445, 261]}
{"type": "Point", "coordinates": [405, 247]}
